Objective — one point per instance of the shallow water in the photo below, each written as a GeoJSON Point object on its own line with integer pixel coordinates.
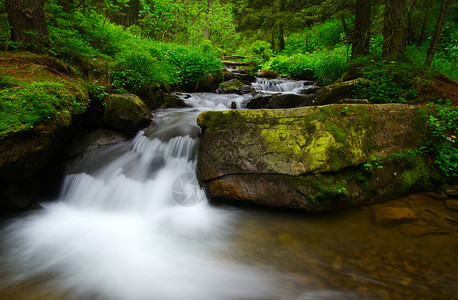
{"type": "Point", "coordinates": [139, 227]}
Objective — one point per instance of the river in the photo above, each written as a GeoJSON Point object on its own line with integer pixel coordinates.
{"type": "Point", "coordinates": [137, 226]}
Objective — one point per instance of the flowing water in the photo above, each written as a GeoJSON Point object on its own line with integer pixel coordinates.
{"type": "Point", "coordinates": [139, 227]}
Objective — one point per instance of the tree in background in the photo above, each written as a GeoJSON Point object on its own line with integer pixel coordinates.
{"type": "Point", "coordinates": [361, 30]}
{"type": "Point", "coordinates": [27, 21]}
{"type": "Point", "coordinates": [442, 18]}
{"type": "Point", "coordinates": [393, 29]}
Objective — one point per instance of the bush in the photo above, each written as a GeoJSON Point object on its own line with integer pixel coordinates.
{"type": "Point", "coordinates": [325, 66]}
{"type": "Point", "coordinates": [259, 53]}
{"type": "Point", "coordinates": [390, 81]}
{"type": "Point", "coordinates": [443, 132]}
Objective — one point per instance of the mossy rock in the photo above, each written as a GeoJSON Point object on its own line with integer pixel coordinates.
{"type": "Point", "coordinates": [313, 158]}
{"type": "Point", "coordinates": [336, 92]}
{"type": "Point", "coordinates": [234, 86]}
{"type": "Point", "coordinates": [126, 113]}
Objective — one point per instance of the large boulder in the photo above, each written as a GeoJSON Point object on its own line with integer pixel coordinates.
{"type": "Point", "coordinates": [313, 158]}
{"type": "Point", "coordinates": [126, 113]}
{"type": "Point", "coordinates": [258, 101]}
{"type": "Point", "coordinates": [289, 101]}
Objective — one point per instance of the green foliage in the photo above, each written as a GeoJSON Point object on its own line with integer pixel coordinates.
{"type": "Point", "coordinates": [325, 66]}
{"type": "Point", "coordinates": [390, 81]}
{"type": "Point", "coordinates": [325, 35]}
{"type": "Point", "coordinates": [259, 53]}
{"type": "Point", "coordinates": [25, 105]}
{"type": "Point", "coordinates": [443, 132]}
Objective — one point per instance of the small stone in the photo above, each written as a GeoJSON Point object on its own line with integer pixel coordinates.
{"type": "Point", "coordinates": [452, 192]}
{"type": "Point", "coordinates": [391, 216]}
{"type": "Point", "coordinates": [451, 204]}
{"type": "Point", "coordinates": [437, 195]}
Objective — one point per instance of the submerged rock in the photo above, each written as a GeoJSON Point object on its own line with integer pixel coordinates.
{"type": "Point", "coordinates": [313, 158]}
{"type": "Point", "coordinates": [126, 113]}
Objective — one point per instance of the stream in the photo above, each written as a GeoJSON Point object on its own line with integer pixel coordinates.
{"type": "Point", "coordinates": [135, 225]}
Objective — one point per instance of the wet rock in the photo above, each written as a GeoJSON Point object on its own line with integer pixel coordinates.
{"type": "Point", "coordinates": [172, 101]}
{"type": "Point", "coordinates": [311, 158]}
{"type": "Point", "coordinates": [413, 230]}
{"type": "Point", "coordinates": [451, 204]}
{"type": "Point", "coordinates": [289, 101]}
{"type": "Point", "coordinates": [126, 113]}
{"type": "Point", "coordinates": [94, 150]}
{"type": "Point", "coordinates": [234, 86]}
{"type": "Point", "coordinates": [267, 74]}
{"type": "Point", "coordinates": [452, 192]}
{"type": "Point", "coordinates": [353, 101]}
{"type": "Point", "coordinates": [207, 83]}
{"type": "Point", "coordinates": [258, 101]}
{"type": "Point", "coordinates": [310, 90]}
{"type": "Point", "coordinates": [391, 216]}
{"type": "Point", "coordinates": [335, 92]}
{"type": "Point", "coordinates": [437, 195]}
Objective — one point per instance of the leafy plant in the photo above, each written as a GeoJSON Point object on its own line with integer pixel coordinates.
{"type": "Point", "coordinates": [443, 132]}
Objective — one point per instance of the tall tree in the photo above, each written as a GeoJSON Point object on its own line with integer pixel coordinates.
{"type": "Point", "coordinates": [27, 21]}
{"type": "Point", "coordinates": [442, 18]}
{"type": "Point", "coordinates": [423, 24]}
{"type": "Point", "coordinates": [361, 31]}
{"type": "Point", "coordinates": [393, 29]}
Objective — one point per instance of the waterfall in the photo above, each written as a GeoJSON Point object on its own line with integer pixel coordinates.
{"type": "Point", "coordinates": [279, 85]}
{"type": "Point", "coordinates": [130, 231]}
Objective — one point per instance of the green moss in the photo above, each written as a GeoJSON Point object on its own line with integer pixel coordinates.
{"type": "Point", "coordinates": [327, 191]}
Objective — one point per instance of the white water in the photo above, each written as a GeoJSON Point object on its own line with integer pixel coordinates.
{"type": "Point", "coordinates": [121, 235]}
{"type": "Point", "coordinates": [278, 86]}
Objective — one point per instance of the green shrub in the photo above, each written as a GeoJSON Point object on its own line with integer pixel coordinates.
{"type": "Point", "coordinates": [390, 81]}
{"type": "Point", "coordinates": [442, 144]}
{"type": "Point", "coordinates": [330, 65]}
{"type": "Point", "coordinates": [259, 53]}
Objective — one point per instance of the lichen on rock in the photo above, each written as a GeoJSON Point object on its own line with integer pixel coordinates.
{"type": "Point", "coordinates": [316, 153]}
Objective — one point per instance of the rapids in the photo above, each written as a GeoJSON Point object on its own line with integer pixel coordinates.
{"type": "Point", "coordinates": [140, 228]}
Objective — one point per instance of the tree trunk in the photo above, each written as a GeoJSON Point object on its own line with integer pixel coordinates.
{"type": "Point", "coordinates": [443, 13]}
{"type": "Point", "coordinates": [207, 19]}
{"type": "Point", "coordinates": [27, 21]}
{"type": "Point", "coordinates": [393, 29]}
{"type": "Point", "coordinates": [281, 38]}
{"type": "Point", "coordinates": [361, 31]}
{"type": "Point", "coordinates": [67, 5]}
{"type": "Point", "coordinates": [423, 26]}
{"type": "Point", "coordinates": [281, 28]}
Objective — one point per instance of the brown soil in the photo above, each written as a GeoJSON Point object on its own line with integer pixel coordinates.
{"type": "Point", "coordinates": [439, 88]}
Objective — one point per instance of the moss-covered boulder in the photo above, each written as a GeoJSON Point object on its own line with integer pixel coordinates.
{"type": "Point", "coordinates": [126, 113]}
{"type": "Point", "coordinates": [234, 86]}
{"type": "Point", "coordinates": [313, 158]}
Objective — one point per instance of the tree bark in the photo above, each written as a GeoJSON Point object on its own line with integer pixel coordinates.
{"type": "Point", "coordinates": [393, 29]}
{"type": "Point", "coordinates": [423, 26]}
{"type": "Point", "coordinates": [281, 28]}
{"type": "Point", "coordinates": [67, 5]}
{"type": "Point", "coordinates": [27, 21]}
{"type": "Point", "coordinates": [207, 19]}
{"type": "Point", "coordinates": [443, 13]}
{"type": "Point", "coordinates": [361, 31]}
